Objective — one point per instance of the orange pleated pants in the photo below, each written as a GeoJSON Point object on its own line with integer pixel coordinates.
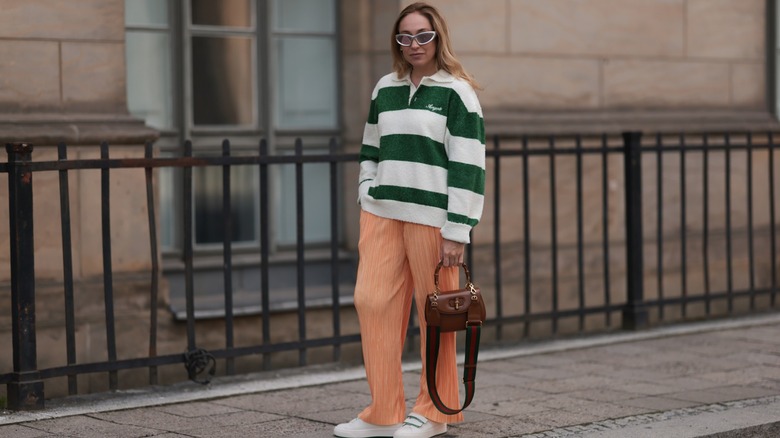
{"type": "Point", "coordinates": [397, 262]}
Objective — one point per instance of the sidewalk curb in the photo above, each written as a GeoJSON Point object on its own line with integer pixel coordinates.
{"type": "Point", "coordinates": [313, 376]}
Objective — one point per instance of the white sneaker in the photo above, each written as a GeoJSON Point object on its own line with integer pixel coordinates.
{"type": "Point", "coordinates": [417, 426]}
{"type": "Point", "coordinates": [358, 428]}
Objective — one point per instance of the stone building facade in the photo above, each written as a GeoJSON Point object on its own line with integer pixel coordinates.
{"type": "Point", "coordinates": [554, 66]}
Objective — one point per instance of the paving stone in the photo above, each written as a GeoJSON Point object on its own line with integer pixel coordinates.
{"type": "Point", "coordinates": [688, 383]}
{"type": "Point", "coordinates": [487, 379]}
{"type": "Point", "coordinates": [508, 408]}
{"type": "Point", "coordinates": [552, 418]}
{"type": "Point", "coordinates": [198, 409]}
{"type": "Point", "coordinates": [158, 419]}
{"type": "Point", "coordinates": [289, 427]}
{"type": "Point", "coordinates": [702, 396]}
{"type": "Point", "coordinates": [598, 410]}
{"type": "Point", "coordinates": [21, 431]}
{"type": "Point", "coordinates": [504, 366]}
{"type": "Point", "coordinates": [602, 394]}
{"type": "Point", "coordinates": [569, 384]}
{"type": "Point", "coordinates": [744, 392]}
{"type": "Point", "coordinates": [744, 376]}
{"type": "Point", "coordinates": [87, 427]}
{"type": "Point", "coordinates": [542, 373]}
{"type": "Point", "coordinates": [500, 427]}
{"type": "Point", "coordinates": [656, 403]}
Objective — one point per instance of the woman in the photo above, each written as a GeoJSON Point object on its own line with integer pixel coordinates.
{"type": "Point", "coordinates": [421, 190]}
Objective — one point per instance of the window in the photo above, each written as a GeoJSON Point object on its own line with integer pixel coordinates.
{"type": "Point", "coordinates": [244, 70]}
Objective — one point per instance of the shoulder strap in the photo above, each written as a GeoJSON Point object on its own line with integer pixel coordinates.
{"type": "Point", "coordinates": [473, 333]}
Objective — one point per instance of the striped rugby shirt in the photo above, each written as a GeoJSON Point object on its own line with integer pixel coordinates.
{"type": "Point", "coordinates": [423, 154]}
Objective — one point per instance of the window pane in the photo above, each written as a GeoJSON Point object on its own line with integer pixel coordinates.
{"type": "Point", "coordinates": [168, 204]}
{"type": "Point", "coordinates": [305, 15]}
{"type": "Point", "coordinates": [307, 83]}
{"type": "Point", "coordinates": [222, 91]}
{"type": "Point", "coordinates": [149, 89]}
{"type": "Point", "coordinates": [316, 204]}
{"type": "Point", "coordinates": [235, 13]}
{"type": "Point", "coordinates": [146, 12]}
{"type": "Point", "coordinates": [209, 220]}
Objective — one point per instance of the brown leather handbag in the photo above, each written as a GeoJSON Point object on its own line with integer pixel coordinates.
{"type": "Point", "coordinates": [449, 311]}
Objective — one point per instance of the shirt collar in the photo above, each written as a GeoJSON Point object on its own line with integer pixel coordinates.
{"type": "Point", "coordinates": [440, 76]}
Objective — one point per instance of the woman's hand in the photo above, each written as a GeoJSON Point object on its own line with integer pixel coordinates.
{"type": "Point", "coordinates": [452, 253]}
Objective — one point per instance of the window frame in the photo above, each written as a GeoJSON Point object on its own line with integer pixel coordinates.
{"type": "Point", "coordinates": [243, 138]}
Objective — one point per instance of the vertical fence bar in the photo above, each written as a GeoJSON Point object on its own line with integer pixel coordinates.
{"type": "Point", "coordinates": [635, 312]}
{"type": "Point", "coordinates": [526, 240]}
{"type": "Point", "coordinates": [659, 171]}
{"type": "Point", "coordinates": [751, 259]}
{"type": "Point", "coordinates": [729, 267]}
{"type": "Point", "coordinates": [108, 272]}
{"type": "Point", "coordinates": [706, 223]}
{"type": "Point", "coordinates": [265, 243]}
{"type": "Point", "coordinates": [227, 257]}
{"type": "Point", "coordinates": [25, 390]}
{"type": "Point", "coordinates": [155, 286]}
{"type": "Point", "coordinates": [497, 235]}
{"type": "Point", "coordinates": [67, 269]}
{"type": "Point", "coordinates": [299, 250]}
{"type": "Point", "coordinates": [554, 237]}
{"type": "Point", "coordinates": [334, 249]}
{"type": "Point", "coordinates": [605, 224]}
{"type": "Point", "coordinates": [189, 292]}
{"type": "Point", "coordinates": [683, 232]}
{"type": "Point", "coordinates": [772, 232]}
{"type": "Point", "coordinates": [580, 250]}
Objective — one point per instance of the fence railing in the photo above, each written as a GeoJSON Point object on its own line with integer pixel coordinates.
{"type": "Point", "coordinates": [556, 253]}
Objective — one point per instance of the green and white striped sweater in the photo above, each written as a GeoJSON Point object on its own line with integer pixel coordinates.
{"type": "Point", "coordinates": [423, 154]}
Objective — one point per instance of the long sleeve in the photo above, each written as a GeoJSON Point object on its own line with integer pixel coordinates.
{"type": "Point", "coordinates": [465, 144]}
{"type": "Point", "coordinates": [369, 152]}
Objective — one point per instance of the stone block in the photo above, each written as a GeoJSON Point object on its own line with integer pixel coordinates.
{"type": "Point", "coordinates": [726, 29]}
{"type": "Point", "coordinates": [357, 95]}
{"type": "Point", "coordinates": [665, 84]}
{"type": "Point", "coordinates": [29, 74]}
{"type": "Point", "coordinates": [598, 27]}
{"type": "Point", "coordinates": [76, 19]}
{"type": "Point", "coordinates": [478, 27]}
{"type": "Point", "coordinates": [355, 16]}
{"type": "Point", "coordinates": [383, 16]}
{"type": "Point", "coordinates": [537, 83]}
{"type": "Point", "coordinates": [748, 85]}
{"type": "Point", "coordinates": [93, 76]}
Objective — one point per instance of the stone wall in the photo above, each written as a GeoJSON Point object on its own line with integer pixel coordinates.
{"type": "Point", "coordinates": [607, 54]}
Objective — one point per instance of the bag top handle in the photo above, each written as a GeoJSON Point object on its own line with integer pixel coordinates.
{"type": "Point", "coordinates": [469, 284]}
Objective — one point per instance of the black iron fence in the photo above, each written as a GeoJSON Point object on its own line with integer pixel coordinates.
{"type": "Point", "coordinates": [586, 231]}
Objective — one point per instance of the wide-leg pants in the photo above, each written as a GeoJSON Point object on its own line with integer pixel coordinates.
{"type": "Point", "coordinates": [397, 262]}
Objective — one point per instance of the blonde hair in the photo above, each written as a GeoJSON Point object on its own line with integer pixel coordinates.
{"type": "Point", "coordinates": [445, 58]}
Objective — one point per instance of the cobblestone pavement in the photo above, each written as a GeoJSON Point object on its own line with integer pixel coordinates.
{"type": "Point", "coordinates": [694, 380]}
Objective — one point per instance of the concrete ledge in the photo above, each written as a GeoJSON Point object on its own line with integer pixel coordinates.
{"type": "Point", "coordinates": [74, 129]}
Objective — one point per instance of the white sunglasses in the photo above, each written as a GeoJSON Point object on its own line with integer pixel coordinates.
{"type": "Point", "coordinates": [422, 38]}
